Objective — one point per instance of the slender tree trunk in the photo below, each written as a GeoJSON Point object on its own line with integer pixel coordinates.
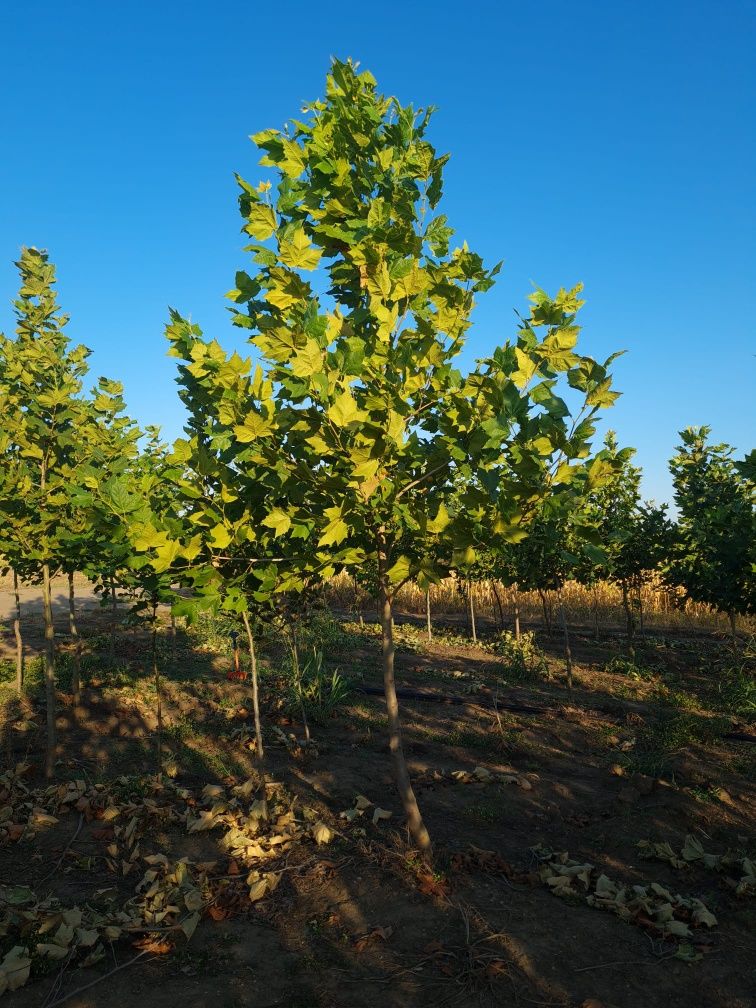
{"type": "Point", "coordinates": [567, 651]}
{"type": "Point", "coordinates": [158, 695]}
{"type": "Point", "coordinates": [173, 637]}
{"type": "Point", "coordinates": [471, 603]}
{"type": "Point", "coordinates": [641, 626]}
{"type": "Point", "coordinates": [517, 619]}
{"type": "Point", "coordinates": [733, 627]}
{"type": "Point", "coordinates": [113, 618]}
{"type": "Point", "coordinates": [546, 612]}
{"type": "Point", "coordinates": [499, 606]}
{"type": "Point", "coordinates": [49, 672]}
{"type": "Point", "coordinates": [630, 620]}
{"type": "Point", "coordinates": [428, 615]}
{"type": "Point", "coordinates": [74, 631]}
{"type": "Point", "coordinates": [255, 693]}
{"type": "Point", "coordinates": [298, 679]}
{"type": "Point", "coordinates": [19, 637]}
{"type": "Point", "coordinates": [595, 614]}
{"type": "Point", "coordinates": [401, 773]}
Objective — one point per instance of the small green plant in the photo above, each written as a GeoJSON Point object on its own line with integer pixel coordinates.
{"type": "Point", "coordinates": [736, 692]}
{"type": "Point", "coordinates": [619, 665]}
{"type": "Point", "coordinates": [523, 659]}
{"type": "Point", "coordinates": [322, 692]}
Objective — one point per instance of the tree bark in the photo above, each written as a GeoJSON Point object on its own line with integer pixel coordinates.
{"type": "Point", "coordinates": [19, 637]}
{"type": "Point", "coordinates": [113, 607]}
{"type": "Point", "coordinates": [415, 822]}
{"type": "Point", "coordinates": [255, 693]}
{"type": "Point", "coordinates": [499, 606]}
{"type": "Point", "coordinates": [517, 618]}
{"type": "Point", "coordinates": [158, 694]}
{"type": "Point", "coordinates": [173, 637]}
{"type": "Point", "coordinates": [595, 615]}
{"type": "Point", "coordinates": [428, 615]}
{"type": "Point", "coordinates": [49, 673]}
{"type": "Point", "coordinates": [471, 603]}
{"type": "Point", "coordinates": [630, 619]}
{"type": "Point", "coordinates": [546, 613]}
{"type": "Point", "coordinates": [74, 631]}
{"type": "Point", "coordinates": [567, 651]}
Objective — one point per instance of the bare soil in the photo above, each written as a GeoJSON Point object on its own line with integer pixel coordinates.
{"type": "Point", "coordinates": [360, 921]}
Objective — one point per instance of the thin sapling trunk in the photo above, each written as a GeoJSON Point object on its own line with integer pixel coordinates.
{"type": "Point", "coordinates": [158, 695]}
{"type": "Point", "coordinates": [18, 635]}
{"type": "Point", "coordinates": [630, 620]}
{"type": "Point", "coordinates": [49, 672]}
{"type": "Point", "coordinates": [517, 619]}
{"type": "Point", "coordinates": [471, 603]}
{"type": "Point", "coordinates": [173, 637]}
{"type": "Point", "coordinates": [74, 631]}
{"type": "Point", "coordinates": [255, 693]}
{"type": "Point", "coordinates": [113, 618]}
{"type": "Point", "coordinates": [415, 822]}
{"type": "Point", "coordinates": [428, 624]}
{"type": "Point", "coordinates": [499, 606]}
{"type": "Point", "coordinates": [546, 611]}
{"type": "Point", "coordinates": [567, 650]}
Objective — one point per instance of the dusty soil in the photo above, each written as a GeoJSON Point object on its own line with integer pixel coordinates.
{"type": "Point", "coordinates": [360, 921]}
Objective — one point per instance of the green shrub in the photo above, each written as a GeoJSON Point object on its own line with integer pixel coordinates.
{"type": "Point", "coordinates": [523, 659]}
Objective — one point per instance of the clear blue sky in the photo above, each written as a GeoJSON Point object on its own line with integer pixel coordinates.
{"type": "Point", "coordinates": [613, 143]}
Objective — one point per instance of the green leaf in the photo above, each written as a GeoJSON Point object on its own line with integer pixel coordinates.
{"type": "Point", "coordinates": [261, 221]}
{"type": "Point", "coordinates": [277, 520]}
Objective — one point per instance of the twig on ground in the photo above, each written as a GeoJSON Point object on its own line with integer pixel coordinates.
{"type": "Point", "coordinates": [66, 849]}
{"type": "Point", "coordinates": [93, 983]}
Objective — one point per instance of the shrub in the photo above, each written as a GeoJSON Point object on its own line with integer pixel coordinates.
{"type": "Point", "coordinates": [523, 659]}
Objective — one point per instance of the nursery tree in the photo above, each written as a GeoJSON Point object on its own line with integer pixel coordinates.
{"type": "Point", "coordinates": [713, 560]}
{"type": "Point", "coordinates": [41, 410]}
{"type": "Point", "coordinates": [49, 433]}
{"type": "Point", "coordinates": [358, 308]}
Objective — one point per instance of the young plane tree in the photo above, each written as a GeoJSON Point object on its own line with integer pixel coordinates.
{"type": "Point", "coordinates": [713, 560]}
{"type": "Point", "coordinates": [358, 306]}
{"type": "Point", "coordinates": [49, 431]}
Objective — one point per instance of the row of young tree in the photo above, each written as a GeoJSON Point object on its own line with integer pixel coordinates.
{"type": "Point", "coordinates": [355, 443]}
{"type": "Point", "coordinates": [707, 555]}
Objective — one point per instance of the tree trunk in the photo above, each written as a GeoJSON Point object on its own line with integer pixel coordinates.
{"type": "Point", "coordinates": [517, 617]}
{"type": "Point", "coordinates": [428, 615]}
{"type": "Point", "coordinates": [255, 693]}
{"type": "Point", "coordinates": [404, 785]}
{"type": "Point", "coordinates": [546, 612]}
{"type": "Point", "coordinates": [630, 619]}
{"type": "Point", "coordinates": [567, 651]}
{"type": "Point", "coordinates": [595, 615]}
{"type": "Point", "coordinates": [640, 614]}
{"type": "Point", "coordinates": [158, 695]}
{"type": "Point", "coordinates": [74, 631]}
{"type": "Point", "coordinates": [113, 617]}
{"type": "Point", "coordinates": [499, 606]}
{"type": "Point", "coordinates": [733, 627]}
{"type": "Point", "coordinates": [19, 637]}
{"type": "Point", "coordinates": [471, 603]}
{"type": "Point", "coordinates": [173, 637]}
{"type": "Point", "coordinates": [49, 672]}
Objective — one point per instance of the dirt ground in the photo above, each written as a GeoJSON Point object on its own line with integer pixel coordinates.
{"type": "Point", "coordinates": [359, 920]}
